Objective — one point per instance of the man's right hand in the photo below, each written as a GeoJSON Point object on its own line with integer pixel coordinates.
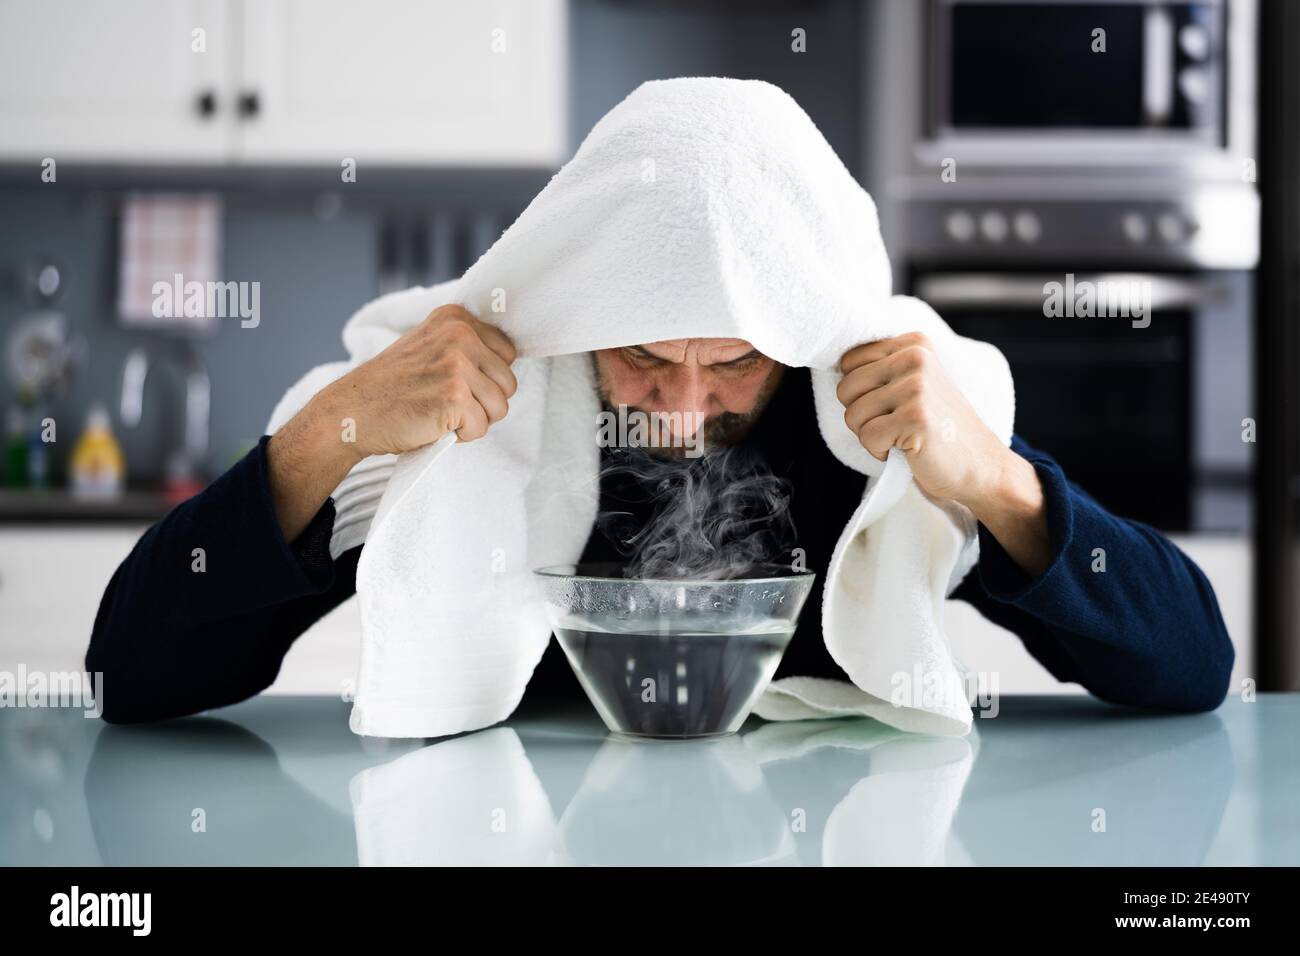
{"type": "Point", "coordinates": [451, 373]}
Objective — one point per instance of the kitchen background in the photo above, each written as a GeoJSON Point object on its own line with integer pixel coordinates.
{"type": "Point", "coordinates": [136, 134]}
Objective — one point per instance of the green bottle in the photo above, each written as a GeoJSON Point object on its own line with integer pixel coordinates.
{"type": "Point", "coordinates": [14, 474]}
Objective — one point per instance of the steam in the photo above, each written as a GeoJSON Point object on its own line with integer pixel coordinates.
{"type": "Point", "coordinates": [714, 517]}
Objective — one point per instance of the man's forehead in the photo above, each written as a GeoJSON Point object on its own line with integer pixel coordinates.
{"type": "Point", "coordinates": [704, 351]}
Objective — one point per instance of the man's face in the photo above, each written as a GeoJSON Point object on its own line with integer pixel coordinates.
{"type": "Point", "coordinates": [723, 383]}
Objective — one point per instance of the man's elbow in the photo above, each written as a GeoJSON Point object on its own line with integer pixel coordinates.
{"type": "Point", "coordinates": [1211, 686]}
{"type": "Point", "coordinates": [1204, 685]}
{"type": "Point", "coordinates": [1194, 682]}
{"type": "Point", "coordinates": [123, 696]}
{"type": "Point", "coordinates": [127, 693]}
{"type": "Point", "coordinates": [116, 707]}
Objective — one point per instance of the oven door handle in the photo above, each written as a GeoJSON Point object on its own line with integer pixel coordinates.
{"type": "Point", "coordinates": [998, 290]}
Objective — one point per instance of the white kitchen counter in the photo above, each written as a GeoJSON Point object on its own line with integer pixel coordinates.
{"type": "Point", "coordinates": [52, 577]}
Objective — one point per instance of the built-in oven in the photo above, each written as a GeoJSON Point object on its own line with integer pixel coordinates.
{"type": "Point", "coordinates": [1144, 412]}
{"type": "Point", "coordinates": [1030, 144]}
{"type": "Point", "coordinates": [1023, 145]}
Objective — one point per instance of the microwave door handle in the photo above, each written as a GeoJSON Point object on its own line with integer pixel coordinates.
{"type": "Point", "coordinates": [1157, 65]}
{"type": "Point", "coordinates": [970, 290]}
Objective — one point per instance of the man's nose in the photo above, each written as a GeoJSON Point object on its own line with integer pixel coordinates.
{"type": "Point", "coordinates": [689, 394]}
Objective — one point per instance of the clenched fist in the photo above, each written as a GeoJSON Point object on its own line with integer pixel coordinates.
{"type": "Point", "coordinates": [451, 373]}
{"type": "Point", "coordinates": [896, 394]}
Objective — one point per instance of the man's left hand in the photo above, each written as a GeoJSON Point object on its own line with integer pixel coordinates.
{"type": "Point", "coordinates": [896, 394]}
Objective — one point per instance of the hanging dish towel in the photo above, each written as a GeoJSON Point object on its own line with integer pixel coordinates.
{"type": "Point", "coordinates": [695, 208]}
{"type": "Point", "coordinates": [170, 246]}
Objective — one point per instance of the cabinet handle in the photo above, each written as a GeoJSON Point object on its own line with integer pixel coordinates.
{"type": "Point", "coordinates": [206, 104]}
{"type": "Point", "coordinates": [249, 105]}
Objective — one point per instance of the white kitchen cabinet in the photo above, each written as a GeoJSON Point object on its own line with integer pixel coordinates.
{"type": "Point", "coordinates": [404, 82]}
{"type": "Point", "coordinates": [324, 659]}
{"type": "Point", "coordinates": [53, 576]}
{"type": "Point", "coordinates": [51, 580]}
{"type": "Point", "coordinates": [285, 82]}
{"type": "Point", "coordinates": [87, 80]}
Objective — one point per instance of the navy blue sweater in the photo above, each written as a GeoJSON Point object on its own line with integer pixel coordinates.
{"type": "Point", "coordinates": [169, 641]}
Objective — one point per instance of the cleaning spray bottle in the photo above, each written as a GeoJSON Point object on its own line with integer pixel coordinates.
{"type": "Point", "coordinates": [97, 468]}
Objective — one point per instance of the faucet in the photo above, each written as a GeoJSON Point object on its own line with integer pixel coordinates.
{"type": "Point", "coordinates": [198, 398]}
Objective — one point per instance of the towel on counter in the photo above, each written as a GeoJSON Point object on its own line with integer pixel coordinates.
{"type": "Point", "coordinates": [694, 208]}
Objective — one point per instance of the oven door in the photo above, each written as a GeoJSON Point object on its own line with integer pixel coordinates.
{"type": "Point", "coordinates": [1112, 403]}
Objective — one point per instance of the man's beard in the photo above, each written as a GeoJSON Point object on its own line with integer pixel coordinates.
{"type": "Point", "coordinates": [719, 431]}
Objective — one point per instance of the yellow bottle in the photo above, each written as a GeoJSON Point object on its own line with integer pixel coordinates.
{"type": "Point", "coordinates": [97, 468]}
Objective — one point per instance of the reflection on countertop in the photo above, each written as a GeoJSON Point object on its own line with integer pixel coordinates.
{"type": "Point", "coordinates": [281, 780]}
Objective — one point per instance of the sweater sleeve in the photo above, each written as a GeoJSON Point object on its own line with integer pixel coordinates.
{"type": "Point", "coordinates": [1120, 609]}
{"type": "Point", "coordinates": [202, 611]}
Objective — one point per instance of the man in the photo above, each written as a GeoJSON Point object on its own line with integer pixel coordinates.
{"type": "Point", "coordinates": [169, 642]}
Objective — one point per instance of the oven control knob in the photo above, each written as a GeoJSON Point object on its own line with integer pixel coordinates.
{"type": "Point", "coordinates": [960, 225]}
{"type": "Point", "coordinates": [1194, 84]}
{"type": "Point", "coordinates": [1134, 226]}
{"type": "Point", "coordinates": [1027, 227]}
{"type": "Point", "coordinates": [1195, 41]}
{"type": "Point", "coordinates": [1171, 227]}
{"type": "Point", "coordinates": [994, 226]}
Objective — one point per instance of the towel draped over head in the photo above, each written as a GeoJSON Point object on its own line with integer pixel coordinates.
{"type": "Point", "coordinates": [695, 208]}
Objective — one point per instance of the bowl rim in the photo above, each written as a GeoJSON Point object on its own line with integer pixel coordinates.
{"type": "Point", "coordinates": [562, 571]}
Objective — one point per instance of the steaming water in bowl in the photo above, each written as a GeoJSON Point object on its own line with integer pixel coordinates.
{"type": "Point", "coordinates": [673, 658]}
{"type": "Point", "coordinates": [697, 672]}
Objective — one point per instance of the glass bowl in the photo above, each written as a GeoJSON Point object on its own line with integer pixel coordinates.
{"type": "Point", "coordinates": [670, 658]}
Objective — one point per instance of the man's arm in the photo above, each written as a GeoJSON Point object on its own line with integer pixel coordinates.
{"type": "Point", "coordinates": [1117, 607]}
{"type": "Point", "coordinates": [1145, 631]}
{"type": "Point", "coordinates": [208, 602]}
{"type": "Point", "coordinates": [203, 610]}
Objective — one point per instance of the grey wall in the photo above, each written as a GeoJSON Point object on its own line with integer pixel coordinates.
{"type": "Point", "coordinates": [615, 46]}
{"type": "Point", "coordinates": [314, 271]}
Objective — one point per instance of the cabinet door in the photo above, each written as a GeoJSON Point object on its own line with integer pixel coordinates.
{"type": "Point", "coordinates": [52, 578]}
{"type": "Point", "coordinates": [91, 81]}
{"type": "Point", "coordinates": [51, 582]}
{"type": "Point", "coordinates": [404, 82]}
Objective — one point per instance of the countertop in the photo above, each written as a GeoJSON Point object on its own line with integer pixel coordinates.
{"type": "Point", "coordinates": [60, 506]}
{"type": "Point", "coordinates": [281, 780]}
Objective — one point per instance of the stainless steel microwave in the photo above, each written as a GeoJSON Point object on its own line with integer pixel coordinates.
{"type": "Point", "coordinates": [1026, 80]}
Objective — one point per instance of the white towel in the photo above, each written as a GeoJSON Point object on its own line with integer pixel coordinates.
{"type": "Point", "coordinates": [695, 208]}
